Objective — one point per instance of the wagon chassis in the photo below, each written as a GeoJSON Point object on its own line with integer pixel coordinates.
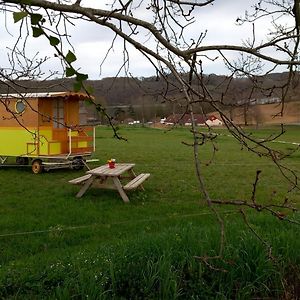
{"type": "Point", "coordinates": [45, 163]}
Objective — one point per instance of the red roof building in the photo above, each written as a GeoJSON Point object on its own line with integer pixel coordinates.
{"type": "Point", "coordinates": [185, 119]}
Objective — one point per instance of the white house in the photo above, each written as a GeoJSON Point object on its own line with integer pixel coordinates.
{"type": "Point", "coordinates": [213, 121]}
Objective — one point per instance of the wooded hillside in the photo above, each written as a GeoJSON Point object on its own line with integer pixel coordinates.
{"type": "Point", "coordinates": [147, 98]}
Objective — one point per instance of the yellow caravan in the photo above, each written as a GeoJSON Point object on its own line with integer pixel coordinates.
{"type": "Point", "coordinates": [45, 129]}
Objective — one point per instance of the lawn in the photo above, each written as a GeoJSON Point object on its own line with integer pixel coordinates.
{"type": "Point", "coordinates": [54, 246]}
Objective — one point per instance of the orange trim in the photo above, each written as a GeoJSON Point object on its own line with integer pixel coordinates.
{"type": "Point", "coordinates": [79, 96]}
{"type": "Point", "coordinates": [82, 150]}
{"type": "Point", "coordinates": [46, 128]}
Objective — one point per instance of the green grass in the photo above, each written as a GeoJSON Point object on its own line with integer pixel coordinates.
{"type": "Point", "coordinates": [55, 246]}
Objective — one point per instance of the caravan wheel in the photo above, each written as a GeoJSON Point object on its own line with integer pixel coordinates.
{"type": "Point", "coordinates": [77, 163]}
{"type": "Point", "coordinates": [37, 166]}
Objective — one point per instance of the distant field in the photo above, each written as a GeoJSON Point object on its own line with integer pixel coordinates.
{"type": "Point", "coordinates": [264, 114]}
{"type": "Point", "coordinates": [54, 246]}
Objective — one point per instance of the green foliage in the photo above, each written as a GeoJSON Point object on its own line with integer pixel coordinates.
{"type": "Point", "coordinates": [90, 90]}
{"type": "Point", "coordinates": [77, 86]}
{"type": "Point", "coordinates": [98, 247]}
{"type": "Point", "coordinates": [37, 31]}
{"type": "Point", "coordinates": [54, 41]}
{"type": "Point", "coordinates": [18, 16]}
{"type": "Point", "coordinates": [70, 57]}
{"type": "Point", "coordinates": [81, 77]}
{"type": "Point", "coordinates": [154, 265]}
{"type": "Point", "coordinates": [70, 71]}
{"type": "Point", "coordinates": [36, 19]}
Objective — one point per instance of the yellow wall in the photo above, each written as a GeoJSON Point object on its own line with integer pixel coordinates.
{"type": "Point", "coordinates": [18, 142]}
{"type": "Point", "coordinates": [13, 141]}
{"type": "Point", "coordinates": [47, 145]}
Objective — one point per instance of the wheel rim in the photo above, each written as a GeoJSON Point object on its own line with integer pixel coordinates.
{"type": "Point", "coordinates": [37, 167]}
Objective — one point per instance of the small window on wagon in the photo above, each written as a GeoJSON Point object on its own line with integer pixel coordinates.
{"type": "Point", "coordinates": [20, 106]}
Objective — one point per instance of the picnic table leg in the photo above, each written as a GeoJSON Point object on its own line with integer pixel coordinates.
{"type": "Point", "coordinates": [120, 189]}
{"type": "Point", "coordinates": [132, 173]}
{"type": "Point", "coordinates": [85, 187]}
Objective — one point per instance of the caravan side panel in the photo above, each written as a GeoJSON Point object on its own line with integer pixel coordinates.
{"type": "Point", "coordinates": [18, 127]}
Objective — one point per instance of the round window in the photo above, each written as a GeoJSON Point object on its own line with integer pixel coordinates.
{"type": "Point", "coordinates": [20, 106]}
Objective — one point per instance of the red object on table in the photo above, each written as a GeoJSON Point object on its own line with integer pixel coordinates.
{"type": "Point", "coordinates": [111, 164]}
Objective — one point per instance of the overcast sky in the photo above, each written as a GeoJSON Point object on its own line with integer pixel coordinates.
{"type": "Point", "coordinates": [91, 42]}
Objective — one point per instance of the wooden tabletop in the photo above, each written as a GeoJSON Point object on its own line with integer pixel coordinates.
{"type": "Point", "coordinates": [104, 170]}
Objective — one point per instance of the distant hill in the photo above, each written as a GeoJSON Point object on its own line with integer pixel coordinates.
{"type": "Point", "coordinates": [149, 97]}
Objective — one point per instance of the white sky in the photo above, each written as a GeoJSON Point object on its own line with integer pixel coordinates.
{"type": "Point", "coordinates": [91, 41]}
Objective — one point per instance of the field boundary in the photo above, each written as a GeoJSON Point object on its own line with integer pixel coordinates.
{"type": "Point", "coordinates": [273, 141]}
{"type": "Point", "coordinates": [69, 228]}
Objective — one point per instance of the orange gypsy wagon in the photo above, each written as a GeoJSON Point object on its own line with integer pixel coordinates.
{"type": "Point", "coordinates": [45, 130]}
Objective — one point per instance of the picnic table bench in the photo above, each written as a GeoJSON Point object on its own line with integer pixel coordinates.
{"type": "Point", "coordinates": [111, 178]}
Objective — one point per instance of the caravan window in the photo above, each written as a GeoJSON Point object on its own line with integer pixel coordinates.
{"type": "Point", "coordinates": [20, 106]}
{"type": "Point", "coordinates": [58, 113]}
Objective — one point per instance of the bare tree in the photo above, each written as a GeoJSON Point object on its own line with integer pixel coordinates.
{"type": "Point", "coordinates": [159, 30]}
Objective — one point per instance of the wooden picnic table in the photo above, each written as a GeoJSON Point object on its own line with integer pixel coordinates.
{"type": "Point", "coordinates": [107, 178]}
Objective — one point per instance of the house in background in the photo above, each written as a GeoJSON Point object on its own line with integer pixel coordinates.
{"type": "Point", "coordinates": [213, 121]}
{"type": "Point", "coordinates": [201, 120]}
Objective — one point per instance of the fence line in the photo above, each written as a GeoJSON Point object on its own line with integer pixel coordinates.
{"type": "Point", "coordinates": [273, 141]}
{"type": "Point", "coordinates": [58, 229]}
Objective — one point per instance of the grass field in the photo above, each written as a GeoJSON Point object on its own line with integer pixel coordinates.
{"type": "Point", "coordinates": [54, 246]}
